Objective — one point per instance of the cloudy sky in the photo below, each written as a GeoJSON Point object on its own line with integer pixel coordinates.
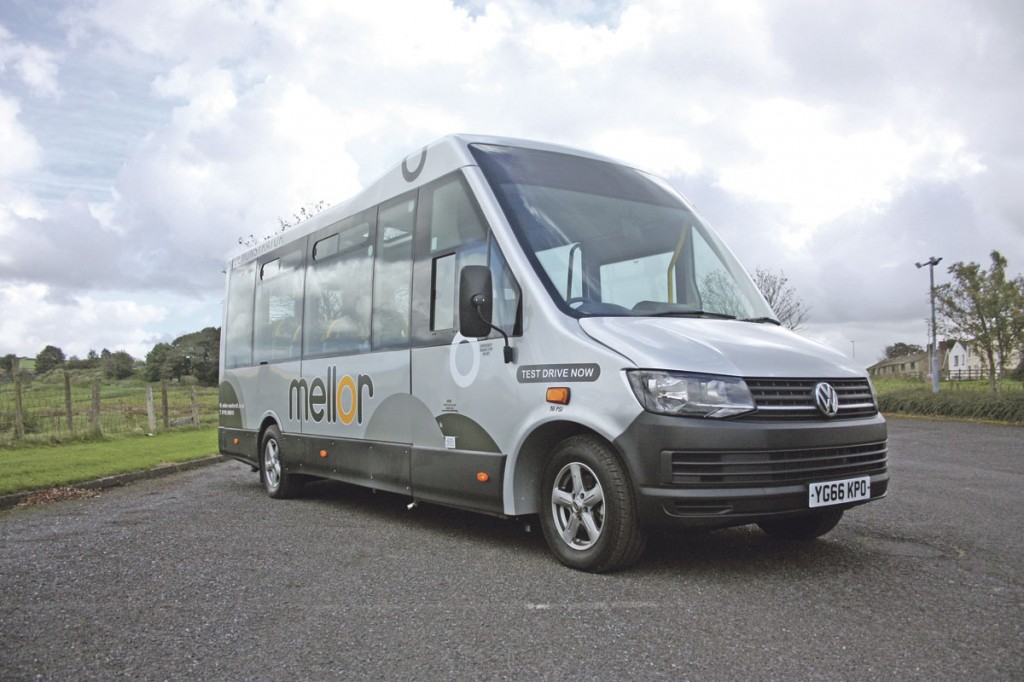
{"type": "Point", "coordinates": [839, 142]}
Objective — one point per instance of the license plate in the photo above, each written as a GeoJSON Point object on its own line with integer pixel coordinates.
{"type": "Point", "coordinates": [839, 492]}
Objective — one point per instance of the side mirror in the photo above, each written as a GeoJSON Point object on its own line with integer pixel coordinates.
{"type": "Point", "coordinates": [475, 303]}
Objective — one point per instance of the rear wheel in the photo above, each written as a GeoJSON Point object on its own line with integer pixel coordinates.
{"type": "Point", "coordinates": [589, 514]}
{"type": "Point", "coordinates": [276, 481]}
{"type": "Point", "coordinates": [807, 527]}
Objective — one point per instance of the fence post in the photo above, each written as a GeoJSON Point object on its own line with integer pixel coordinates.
{"type": "Point", "coordinates": [195, 408]}
{"type": "Point", "coordinates": [67, 401]}
{"type": "Point", "coordinates": [19, 419]}
{"type": "Point", "coordinates": [94, 416]}
{"type": "Point", "coordinates": [163, 397]}
{"type": "Point", "coordinates": [150, 409]}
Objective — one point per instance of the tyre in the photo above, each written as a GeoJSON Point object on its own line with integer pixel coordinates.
{"type": "Point", "coordinates": [588, 508]}
{"type": "Point", "coordinates": [802, 528]}
{"type": "Point", "coordinates": [276, 481]}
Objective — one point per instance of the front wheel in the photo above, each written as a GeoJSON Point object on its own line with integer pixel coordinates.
{"type": "Point", "coordinates": [276, 481]}
{"type": "Point", "coordinates": [802, 528]}
{"type": "Point", "coordinates": [589, 519]}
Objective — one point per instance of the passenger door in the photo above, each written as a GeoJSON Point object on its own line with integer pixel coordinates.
{"type": "Point", "coordinates": [464, 384]}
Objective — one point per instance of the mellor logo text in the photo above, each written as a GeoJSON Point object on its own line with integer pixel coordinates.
{"type": "Point", "coordinates": [331, 399]}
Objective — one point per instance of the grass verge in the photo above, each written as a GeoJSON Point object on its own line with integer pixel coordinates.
{"type": "Point", "coordinates": [48, 466]}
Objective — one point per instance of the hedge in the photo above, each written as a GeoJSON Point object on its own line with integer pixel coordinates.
{"type": "Point", "coordinates": [1003, 407]}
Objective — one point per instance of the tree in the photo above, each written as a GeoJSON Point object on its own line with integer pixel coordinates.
{"type": "Point", "coordinates": [74, 362]}
{"type": "Point", "coordinates": [985, 309]}
{"type": "Point", "coordinates": [783, 299]}
{"type": "Point", "coordinates": [49, 358]}
{"type": "Point", "coordinates": [155, 361]}
{"type": "Point", "coordinates": [901, 349]}
{"type": "Point", "coordinates": [118, 365]}
{"type": "Point", "coordinates": [196, 354]}
{"type": "Point", "coordinates": [7, 367]}
{"type": "Point", "coordinates": [199, 355]}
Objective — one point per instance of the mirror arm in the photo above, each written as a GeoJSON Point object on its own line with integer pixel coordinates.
{"type": "Point", "coordinates": [507, 352]}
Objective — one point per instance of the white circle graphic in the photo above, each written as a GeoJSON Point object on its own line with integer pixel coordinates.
{"type": "Point", "coordinates": [464, 380]}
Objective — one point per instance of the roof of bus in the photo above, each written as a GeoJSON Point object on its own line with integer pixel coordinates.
{"type": "Point", "coordinates": [432, 161]}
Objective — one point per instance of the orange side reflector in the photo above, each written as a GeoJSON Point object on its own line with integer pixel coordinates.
{"type": "Point", "coordinates": [483, 477]}
{"type": "Point", "coordinates": [235, 441]}
{"type": "Point", "coordinates": [558, 395]}
{"type": "Point", "coordinates": [323, 453]}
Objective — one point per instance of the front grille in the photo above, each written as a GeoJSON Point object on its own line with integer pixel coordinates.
{"type": "Point", "coordinates": [777, 467]}
{"type": "Point", "coordinates": [793, 399]}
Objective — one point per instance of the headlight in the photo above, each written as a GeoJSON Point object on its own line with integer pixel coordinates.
{"type": "Point", "coordinates": [690, 395]}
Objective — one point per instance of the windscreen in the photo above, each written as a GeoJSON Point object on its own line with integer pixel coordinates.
{"type": "Point", "coordinates": [610, 240]}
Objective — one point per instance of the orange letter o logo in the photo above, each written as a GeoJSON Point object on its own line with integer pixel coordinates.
{"type": "Point", "coordinates": [347, 416]}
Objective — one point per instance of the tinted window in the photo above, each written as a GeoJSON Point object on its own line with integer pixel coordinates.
{"type": "Point", "coordinates": [278, 334]}
{"type": "Point", "coordinates": [238, 324]}
{"type": "Point", "coordinates": [393, 273]}
{"type": "Point", "coordinates": [457, 238]}
{"type": "Point", "coordinates": [338, 284]}
{"type": "Point", "coordinates": [454, 218]}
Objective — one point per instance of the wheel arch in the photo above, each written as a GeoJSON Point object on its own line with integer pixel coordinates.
{"type": "Point", "coordinates": [268, 421]}
{"type": "Point", "coordinates": [529, 462]}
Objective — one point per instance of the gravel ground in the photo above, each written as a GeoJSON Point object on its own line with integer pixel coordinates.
{"type": "Point", "coordinates": [199, 575]}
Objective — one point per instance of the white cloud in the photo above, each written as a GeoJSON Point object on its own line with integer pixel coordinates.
{"type": "Point", "coordinates": [803, 158]}
{"type": "Point", "coordinates": [661, 154]}
{"type": "Point", "coordinates": [36, 67]}
{"type": "Point", "coordinates": [21, 151]}
{"type": "Point", "coordinates": [36, 316]}
{"type": "Point", "coordinates": [572, 45]}
{"type": "Point", "coordinates": [21, 154]}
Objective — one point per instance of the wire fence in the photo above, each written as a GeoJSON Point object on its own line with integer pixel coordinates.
{"type": "Point", "coordinates": [32, 410]}
{"type": "Point", "coordinates": [955, 377]}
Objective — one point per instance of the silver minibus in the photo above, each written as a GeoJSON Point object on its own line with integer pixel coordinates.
{"type": "Point", "coordinates": [524, 329]}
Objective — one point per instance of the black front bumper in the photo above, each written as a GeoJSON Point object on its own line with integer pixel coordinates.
{"type": "Point", "coordinates": [712, 473]}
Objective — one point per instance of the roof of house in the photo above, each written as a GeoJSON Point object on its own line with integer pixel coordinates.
{"type": "Point", "coordinates": [903, 359]}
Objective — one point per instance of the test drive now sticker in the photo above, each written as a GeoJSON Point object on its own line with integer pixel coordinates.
{"type": "Point", "coordinates": [531, 374]}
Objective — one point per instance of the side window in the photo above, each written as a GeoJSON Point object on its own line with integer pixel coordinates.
{"type": "Point", "coordinates": [457, 238]}
{"type": "Point", "coordinates": [392, 279]}
{"type": "Point", "coordinates": [454, 218]}
{"type": "Point", "coordinates": [338, 282]}
{"type": "Point", "coordinates": [238, 332]}
{"type": "Point", "coordinates": [442, 304]}
{"type": "Point", "coordinates": [278, 316]}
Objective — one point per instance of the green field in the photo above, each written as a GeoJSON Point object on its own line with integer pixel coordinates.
{"type": "Point", "coordinates": [46, 466]}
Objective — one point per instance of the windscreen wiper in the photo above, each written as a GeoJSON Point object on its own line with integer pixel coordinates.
{"type": "Point", "coordinates": [762, 320]}
{"type": "Point", "coordinates": [693, 313]}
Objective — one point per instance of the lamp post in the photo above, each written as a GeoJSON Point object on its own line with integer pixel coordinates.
{"type": "Point", "coordinates": [931, 263]}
